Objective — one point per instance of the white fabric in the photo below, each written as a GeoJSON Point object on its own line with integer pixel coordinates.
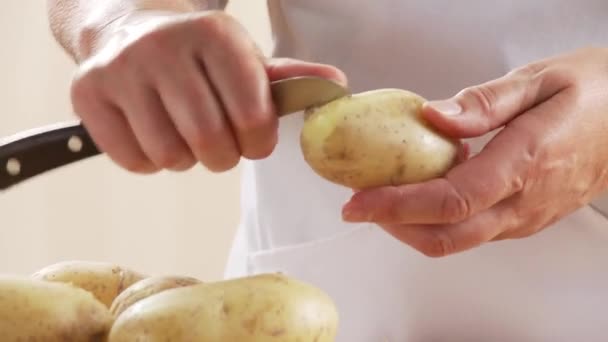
{"type": "Point", "coordinates": [550, 287]}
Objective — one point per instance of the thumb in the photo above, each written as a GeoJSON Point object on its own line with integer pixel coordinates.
{"type": "Point", "coordinates": [480, 109]}
{"type": "Point", "coordinates": [280, 68]}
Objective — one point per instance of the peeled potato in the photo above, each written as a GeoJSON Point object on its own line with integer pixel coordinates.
{"type": "Point", "coordinates": [40, 311]}
{"type": "Point", "coordinates": [269, 307]}
{"type": "Point", "coordinates": [375, 138]}
{"type": "Point", "coordinates": [104, 280]}
{"type": "Point", "coordinates": [146, 288]}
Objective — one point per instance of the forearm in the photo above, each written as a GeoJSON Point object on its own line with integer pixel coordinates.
{"type": "Point", "coordinates": [78, 25]}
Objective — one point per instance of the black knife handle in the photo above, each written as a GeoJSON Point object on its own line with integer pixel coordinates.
{"type": "Point", "coordinates": [34, 152]}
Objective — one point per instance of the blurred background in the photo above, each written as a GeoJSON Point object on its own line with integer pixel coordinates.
{"type": "Point", "coordinates": [169, 223]}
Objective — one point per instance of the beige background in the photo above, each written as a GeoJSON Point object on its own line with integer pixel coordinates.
{"type": "Point", "coordinates": [167, 223]}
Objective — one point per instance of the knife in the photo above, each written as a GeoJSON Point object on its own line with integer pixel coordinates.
{"type": "Point", "coordinates": [33, 152]}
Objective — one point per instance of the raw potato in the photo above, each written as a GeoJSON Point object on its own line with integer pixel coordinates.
{"type": "Point", "coordinates": [375, 138]}
{"type": "Point", "coordinates": [146, 288]}
{"type": "Point", "coordinates": [40, 311]}
{"type": "Point", "coordinates": [104, 280]}
{"type": "Point", "coordinates": [269, 307]}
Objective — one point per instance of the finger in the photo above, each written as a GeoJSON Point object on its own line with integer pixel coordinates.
{"type": "Point", "coordinates": [154, 130]}
{"type": "Point", "coordinates": [444, 240]}
{"type": "Point", "coordinates": [463, 153]}
{"type": "Point", "coordinates": [511, 235]}
{"type": "Point", "coordinates": [280, 68]}
{"type": "Point", "coordinates": [198, 115]}
{"type": "Point", "coordinates": [481, 109]}
{"type": "Point", "coordinates": [476, 184]}
{"type": "Point", "coordinates": [112, 135]}
{"type": "Point", "coordinates": [240, 81]}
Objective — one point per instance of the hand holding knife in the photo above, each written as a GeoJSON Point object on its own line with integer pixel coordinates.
{"type": "Point", "coordinates": [34, 152]}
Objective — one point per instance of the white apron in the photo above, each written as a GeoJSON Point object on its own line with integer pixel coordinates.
{"type": "Point", "coordinates": [550, 287]}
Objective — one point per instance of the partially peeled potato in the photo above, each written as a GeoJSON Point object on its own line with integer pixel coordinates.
{"type": "Point", "coordinates": [375, 138]}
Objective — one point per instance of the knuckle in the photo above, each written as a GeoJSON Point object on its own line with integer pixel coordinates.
{"type": "Point", "coordinates": [208, 145]}
{"type": "Point", "coordinates": [84, 79]}
{"type": "Point", "coordinates": [255, 122]}
{"type": "Point", "coordinates": [225, 163]}
{"type": "Point", "coordinates": [529, 71]}
{"type": "Point", "coordinates": [204, 140]}
{"type": "Point", "coordinates": [154, 43]}
{"type": "Point", "coordinates": [259, 136]}
{"type": "Point", "coordinates": [479, 235]}
{"type": "Point", "coordinates": [138, 164]}
{"type": "Point", "coordinates": [258, 151]}
{"type": "Point", "coordinates": [135, 56]}
{"type": "Point", "coordinates": [186, 163]}
{"type": "Point", "coordinates": [559, 75]}
{"type": "Point", "coordinates": [439, 244]}
{"type": "Point", "coordinates": [80, 93]}
{"type": "Point", "coordinates": [84, 90]}
{"type": "Point", "coordinates": [455, 207]}
{"type": "Point", "coordinates": [169, 155]}
{"type": "Point", "coordinates": [214, 23]}
{"type": "Point", "coordinates": [259, 148]}
{"type": "Point", "coordinates": [484, 96]}
{"type": "Point", "coordinates": [122, 61]}
{"type": "Point", "coordinates": [394, 204]}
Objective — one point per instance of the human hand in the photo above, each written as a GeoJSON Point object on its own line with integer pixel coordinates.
{"type": "Point", "coordinates": [168, 90]}
{"type": "Point", "coordinates": [549, 159]}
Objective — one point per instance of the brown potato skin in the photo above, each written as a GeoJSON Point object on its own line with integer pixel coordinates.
{"type": "Point", "coordinates": [262, 308]}
{"type": "Point", "coordinates": [146, 288]}
{"type": "Point", "coordinates": [375, 138]}
{"type": "Point", "coordinates": [40, 311]}
{"type": "Point", "coordinates": [104, 280]}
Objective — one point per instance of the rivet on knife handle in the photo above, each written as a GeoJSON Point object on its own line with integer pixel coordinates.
{"type": "Point", "coordinates": [37, 151]}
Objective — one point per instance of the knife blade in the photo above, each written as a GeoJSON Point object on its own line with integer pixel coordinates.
{"type": "Point", "coordinates": [33, 152]}
{"type": "Point", "coordinates": [295, 94]}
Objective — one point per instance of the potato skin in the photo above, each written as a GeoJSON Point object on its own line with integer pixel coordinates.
{"type": "Point", "coordinates": [41, 311]}
{"type": "Point", "coordinates": [375, 138]}
{"type": "Point", "coordinates": [104, 280]}
{"type": "Point", "coordinates": [146, 288]}
{"type": "Point", "coordinates": [268, 307]}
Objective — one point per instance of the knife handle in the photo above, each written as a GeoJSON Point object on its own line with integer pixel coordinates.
{"type": "Point", "coordinates": [34, 152]}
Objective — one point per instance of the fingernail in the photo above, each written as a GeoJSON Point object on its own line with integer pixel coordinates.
{"type": "Point", "coordinates": [446, 107]}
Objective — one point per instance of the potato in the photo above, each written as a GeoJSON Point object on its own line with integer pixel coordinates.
{"type": "Point", "coordinates": [375, 138]}
{"type": "Point", "coordinates": [267, 307]}
{"type": "Point", "coordinates": [104, 280]}
{"type": "Point", "coordinates": [146, 288]}
{"type": "Point", "coordinates": [41, 311]}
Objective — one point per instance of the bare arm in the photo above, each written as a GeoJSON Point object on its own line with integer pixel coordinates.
{"type": "Point", "coordinates": [78, 24]}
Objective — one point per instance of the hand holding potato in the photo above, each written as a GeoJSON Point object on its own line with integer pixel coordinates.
{"type": "Point", "coordinates": [548, 160]}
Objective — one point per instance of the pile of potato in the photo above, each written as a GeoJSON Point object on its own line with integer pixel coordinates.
{"type": "Point", "coordinates": [100, 302]}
